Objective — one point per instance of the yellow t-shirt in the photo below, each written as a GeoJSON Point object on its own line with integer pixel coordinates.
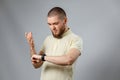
{"type": "Point", "coordinates": [58, 47]}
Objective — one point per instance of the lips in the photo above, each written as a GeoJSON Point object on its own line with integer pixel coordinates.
{"type": "Point", "coordinates": [55, 31]}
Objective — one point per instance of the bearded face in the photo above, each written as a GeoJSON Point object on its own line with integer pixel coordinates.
{"type": "Point", "coordinates": [57, 26]}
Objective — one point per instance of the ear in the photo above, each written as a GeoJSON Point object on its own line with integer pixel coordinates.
{"type": "Point", "coordinates": [65, 20]}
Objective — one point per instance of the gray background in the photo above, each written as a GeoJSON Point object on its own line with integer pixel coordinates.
{"type": "Point", "coordinates": [96, 21]}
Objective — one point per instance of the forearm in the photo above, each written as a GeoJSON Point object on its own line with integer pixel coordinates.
{"type": "Point", "coordinates": [67, 59]}
{"type": "Point", "coordinates": [60, 60]}
{"type": "Point", "coordinates": [36, 63]}
{"type": "Point", "coordinates": [64, 60]}
{"type": "Point", "coordinates": [32, 50]}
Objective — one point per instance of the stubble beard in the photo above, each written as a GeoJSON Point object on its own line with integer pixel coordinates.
{"type": "Point", "coordinates": [62, 30]}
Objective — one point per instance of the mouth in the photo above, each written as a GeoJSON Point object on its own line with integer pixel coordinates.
{"type": "Point", "coordinates": [55, 31]}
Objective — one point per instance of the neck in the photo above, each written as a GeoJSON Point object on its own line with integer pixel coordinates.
{"type": "Point", "coordinates": [66, 29]}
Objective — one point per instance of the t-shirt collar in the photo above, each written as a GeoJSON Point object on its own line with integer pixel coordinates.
{"type": "Point", "coordinates": [67, 32]}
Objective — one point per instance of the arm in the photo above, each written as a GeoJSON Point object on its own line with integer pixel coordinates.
{"type": "Point", "coordinates": [36, 63]}
{"type": "Point", "coordinates": [64, 60]}
{"type": "Point", "coordinates": [67, 59]}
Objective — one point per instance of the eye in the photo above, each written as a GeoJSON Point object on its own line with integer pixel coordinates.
{"type": "Point", "coordinates": [56, 23]}
{"type": "Point", "coordinates": [49, 24]}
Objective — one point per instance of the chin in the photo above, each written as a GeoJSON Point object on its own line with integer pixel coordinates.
{"type": "Point", "coordinates": [57, 36]}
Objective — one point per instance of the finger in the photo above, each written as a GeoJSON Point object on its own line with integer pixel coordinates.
{"type": "Point", "coordinates": [31, 35]}
{"type": "Point", "coordinates": [33, 61]}
{"type": "Point", "coordinates": [37, 61]}
{"type": "Point", "coordinates": [34, 57]}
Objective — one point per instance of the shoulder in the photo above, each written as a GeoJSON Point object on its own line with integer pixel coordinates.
{"type": "Point", "coordinates": [49, 37]}
{"type": "Point", "coordinates": [76, 39]}
{"type": "Point", "coordinates": [74, 36]}
{"type": "Point", "coordinates": [76, 42]}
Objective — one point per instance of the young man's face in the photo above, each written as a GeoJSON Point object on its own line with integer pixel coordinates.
{"type": "Point", "coordinates": [57, 26]}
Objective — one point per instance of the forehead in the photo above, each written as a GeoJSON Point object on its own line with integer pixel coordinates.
{"type": "Point", "coordinates": [53, 19]}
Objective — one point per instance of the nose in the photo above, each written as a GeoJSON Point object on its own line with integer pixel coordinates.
{"type": "Point", "coordinates": [53, 27]}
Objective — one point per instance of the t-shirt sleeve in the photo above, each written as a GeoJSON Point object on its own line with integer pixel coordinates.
{"type": "Point", "coordinates": [77, 43]}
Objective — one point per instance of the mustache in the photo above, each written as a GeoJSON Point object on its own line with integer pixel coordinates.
{"type": "Point", "coordinates": [59, 35]}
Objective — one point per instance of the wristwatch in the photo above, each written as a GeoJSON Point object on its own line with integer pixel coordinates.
{"type": "Point", "coordinates": [43, 57]}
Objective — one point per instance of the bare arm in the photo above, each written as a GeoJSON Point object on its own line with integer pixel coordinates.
{"type": "Point", "coordinates": [67, 59]}
{"type": "Point", "coordinates": [36, 63]}
{"type": "Point", "coordinates": [64, 60]}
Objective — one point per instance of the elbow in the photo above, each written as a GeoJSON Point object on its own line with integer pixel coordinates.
{"type": "Point", "coordinates": [69, 61]}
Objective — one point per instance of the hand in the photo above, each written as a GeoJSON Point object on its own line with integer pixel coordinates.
{"type": "Point", "coordinates": [36, 59]}
{"type": "Point", "coordinates": [29, 38]}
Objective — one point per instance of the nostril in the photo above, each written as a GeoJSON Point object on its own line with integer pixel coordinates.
{"type": "Point", "coordinates": [54, 28]}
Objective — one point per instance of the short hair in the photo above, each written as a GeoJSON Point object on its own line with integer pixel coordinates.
{"type": "Point", "coordinates": [57, 11]}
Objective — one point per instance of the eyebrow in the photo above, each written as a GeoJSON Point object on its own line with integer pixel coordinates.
{"type": "Point", "coordinates": [53, 23]}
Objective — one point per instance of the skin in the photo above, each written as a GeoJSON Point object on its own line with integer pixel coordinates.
{"type": "Point", "coordinates": [58, 27]}
{"type": "Point", "coordinates": [36, 62]}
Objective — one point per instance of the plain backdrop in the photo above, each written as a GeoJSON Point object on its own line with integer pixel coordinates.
{"type": "Point", "coordinates": [96, 21]}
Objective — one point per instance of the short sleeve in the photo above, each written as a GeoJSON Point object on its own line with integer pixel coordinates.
{"type": "Point", "coordinates": [77, 43]}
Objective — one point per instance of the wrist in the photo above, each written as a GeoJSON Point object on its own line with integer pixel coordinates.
{"type": "Point", "coordinates": [43, 57]}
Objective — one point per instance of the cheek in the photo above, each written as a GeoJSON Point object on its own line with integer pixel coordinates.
{"type": "Point", "coordinates": [60, 26]}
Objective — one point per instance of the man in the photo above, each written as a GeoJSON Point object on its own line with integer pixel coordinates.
{"type": "Point", "coordinates": [59, 51]}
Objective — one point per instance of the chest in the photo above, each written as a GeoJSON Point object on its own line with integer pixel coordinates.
{"type": "Point", "coordinates": [58, 47]}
